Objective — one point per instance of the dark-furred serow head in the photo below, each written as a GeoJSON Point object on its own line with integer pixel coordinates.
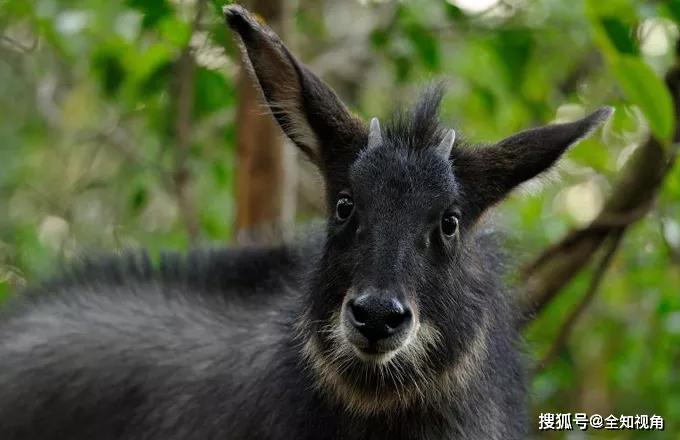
{"type": "Point", "coordinates": [402, 307]}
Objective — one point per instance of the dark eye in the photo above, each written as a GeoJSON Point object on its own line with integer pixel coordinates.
{"type": "Point", "coordinates": [344, 207]}
{"type": "Point", "coordinates": [449, 224]}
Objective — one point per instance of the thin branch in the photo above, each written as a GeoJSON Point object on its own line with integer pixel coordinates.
{"type": "Point", "coordinates": [569, 323]}
{"type": "Point", "coordinates": [631, 198]}
{"type": "Point", "coordinates": [603, 224]}
{"type": "Point", "coordinates": [19, 46]}
{"type": "Point", "coordinates": [119, 140]}
{"type": "Point", "coordinates": [183, 104]}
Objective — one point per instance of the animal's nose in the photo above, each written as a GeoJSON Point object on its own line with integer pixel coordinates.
{"type": "Point", "coordinates": [378, 316]}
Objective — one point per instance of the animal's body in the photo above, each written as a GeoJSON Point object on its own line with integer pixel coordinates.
{"type": "Point", "coordinates": [120, 350]}
{"type": "Point", "coordinates": [392, 323]}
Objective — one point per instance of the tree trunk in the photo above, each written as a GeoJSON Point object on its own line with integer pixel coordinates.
{"type": "Point", "coordinates": [266, 166]}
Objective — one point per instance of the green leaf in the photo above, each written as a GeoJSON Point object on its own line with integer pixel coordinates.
{"type": "Point", "coordinates": [212, 92]}
{"type": "Point", "coordinates": [150, 63]}
{"type": "Point", "coordinates": [139, 198]}
{"type": "Point", "coordinates": [218, 5]}
{"type": "Point", "coordinates": [644, 89]}
{"type": "Point", "coordinates": [402, 67]}
{"type": "Point", "coordinates": [175, 31]}
{"type": "Point", "coordinates": [153, 10]}
{"type": "Point", "coordinates": [155, 80]}
{"type": "Point", "coordinates": [108, 66]}
{"type": "Point", "coordinates": [612, 23]}
{"type": "Point", "coordinates": [513, 48]}
{"type": "Point", "coordinates": [674, 9]}
{"type": "Point", "coordinates": [379, 38]}
{"type": "Point", "coordinates": [453, 12]}
{"type": "Point", "coordinates": [624, 9]}
{"type": "Point", "coordinates": [425, 45]}
{"type": "Point", "coordinates": [620, 34]}
{"type": "Point", "coordinates": [4, 292]}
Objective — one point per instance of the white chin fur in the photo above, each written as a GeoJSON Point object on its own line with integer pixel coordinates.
{"type": "Point", "coordinates": [378, 358]}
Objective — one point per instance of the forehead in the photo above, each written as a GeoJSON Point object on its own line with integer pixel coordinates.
{"type": "Point", "coordinates": [393, 173]}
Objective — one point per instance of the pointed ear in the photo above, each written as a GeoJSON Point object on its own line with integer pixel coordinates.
{"type": "Point", "coordinates": [307, 110]}
{"type": "Point", "coordinates": [488, 174]}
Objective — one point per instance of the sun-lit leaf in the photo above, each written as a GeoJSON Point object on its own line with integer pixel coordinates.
{"type": "Point", "coordinates": [175, 31]}
{"type": "Point", "coordinates": [646, 90]}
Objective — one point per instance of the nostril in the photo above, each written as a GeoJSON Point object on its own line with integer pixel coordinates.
{"type": "Point", "coordinates": [359, 313]}
{"type": "Point", "coordinates": [397, 318]}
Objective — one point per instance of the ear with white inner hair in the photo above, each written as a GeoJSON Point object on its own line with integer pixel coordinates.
{"type": "Point", "coordinates": [487, 174]}
{"type": "Point", "coordinates": [374, 135]}
{"type": "Point", "coordinates": [446, 145]}
{"type": "Point", "coordinates": [307, 109]}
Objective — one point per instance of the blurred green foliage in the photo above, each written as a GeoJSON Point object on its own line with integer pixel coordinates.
{"type": "Point", "coordinates": [87, 145]}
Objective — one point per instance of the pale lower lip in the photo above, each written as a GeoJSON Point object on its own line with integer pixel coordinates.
{"type": "Point", "coordinates": [377, 357]}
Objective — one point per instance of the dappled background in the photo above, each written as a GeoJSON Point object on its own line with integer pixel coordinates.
{"type": "Point", "coordinates": [128, 124]}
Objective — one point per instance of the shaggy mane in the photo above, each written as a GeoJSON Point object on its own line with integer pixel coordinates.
{"type": "Point", "coordinates": [418, 127]}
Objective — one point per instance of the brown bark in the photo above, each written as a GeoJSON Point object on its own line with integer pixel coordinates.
{"type": "Point", "coordinates": [265, 196]}
{"type": "Point", "coordinates": [571, 320]}
{"type": "Point", "coordinates": [183, 101]}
